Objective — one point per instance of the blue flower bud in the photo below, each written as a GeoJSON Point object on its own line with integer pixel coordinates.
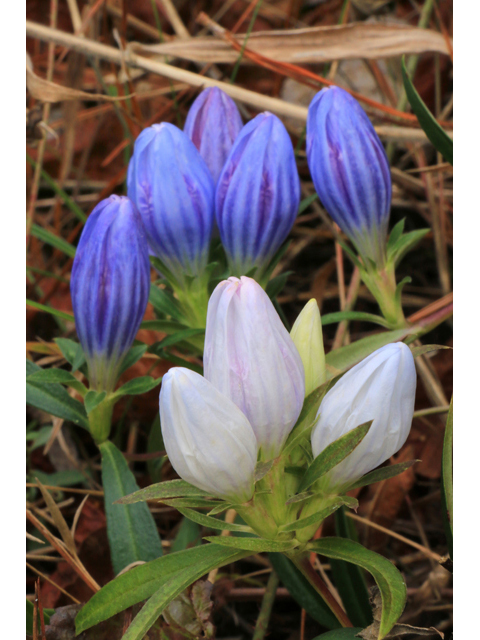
{"type": "Point", "coordinates": [109, 287]}
{"type": "Point", "coordinates": [174, 192]}
{"type": "Point", "coordinates": [213, 123]}
{"type": "Point", "coordinates": [350, 170]}
{"type": "Point", "coordinates": [258, 194]}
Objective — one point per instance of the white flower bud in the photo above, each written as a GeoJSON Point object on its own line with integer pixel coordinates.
{"type": "Point", "coordinates": [380, 388]}
{"type": "Point", "coordinates": [209, 441]}
{"type": "Point", "coordinates": [308, 338]}
{"type": "Point", "coordinates": [250, 357]}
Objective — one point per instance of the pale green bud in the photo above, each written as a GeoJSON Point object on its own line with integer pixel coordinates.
{"type": "Point", "coordinates": [307, 335]}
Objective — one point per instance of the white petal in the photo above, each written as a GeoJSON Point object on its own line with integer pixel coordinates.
{"type": "Point", "coordinates": [209, 441]}
{"type": "Point", "coordinates": [380, 388]}
{"type": "Point", "coordinates": [250, 357]}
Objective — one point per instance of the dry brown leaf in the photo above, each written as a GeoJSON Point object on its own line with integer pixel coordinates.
{"type": "Point", "coordinates": [313, 44]}
{"type": "Point", "coordinates": [47, 91]}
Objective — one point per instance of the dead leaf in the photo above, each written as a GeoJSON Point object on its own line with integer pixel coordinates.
{"type": "Point", "coordinates": [372, 631]}
{"type": "Point", "coordinates": [312, 44]}
{"type": "Point", "coordinates": [47, 91]}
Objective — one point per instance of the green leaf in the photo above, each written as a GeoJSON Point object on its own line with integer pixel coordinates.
{"type": "Point", "coordinates": [315, 517]}
{"type": "Point", "coordinates": [395, 234]}
{"type": "Point", "coordinates": [169, 489]}
{"type": "Point", "coordinates": [333, 455]}
{"type": "Point", "coordinates": [175, 338]}
{"type": "Point", "coordinates": [132, 356]}
{"type": "Point", "coordinates": [93, 399]}
{"type": "Point", "coordinates": [54, 399]}
{"type": "Point", "coordinates": [50, 310]}
{"type": "Point", "coordinates": [212, 523]}
{"type": "Point", "coordinates": [53, 375]}
{"type": "Point", "coordinates": [180, 362]}
{"type": "Point", "coordinates": [306, 202]}
{"type": "Point", "coordinates": [427, 348]}
{"type": "Point", "coordinates": [55, 241]}
{"type": "Point", "coordinates": [405, 244]}
{"type": "Point", "coordinates": [447, 479]}
{"type": "Point", "coordinates": [343, 358]}
{"type": "Point", "coordinates": [349, 578]}
{"type": "Point", "coordinates": [164, 326]}
{"type": "Point", "coordinates": [131, 529]}
{"type": "Point", "coordinates": [384, 473]}
{"type": "Point", "coordinates": [255, 545]}
{"type": "Point", "coordinates": [137, 386]}
{"type": "Point", "coordinates": [155, 445]}
{"type": "Point", "coordinates": [434, 132]}
{"type": "Point", "coordinates": [165, 303]}
{"type": "Point", "coordinates": [386, 575]}
{"type": "Point", "coordinates": [349, 633]}
{"type": "Point", "coordinates": [305, 419]}
{"type": "Point", "coordinates": [302, 591]}
{"type": "Point", "coordinates": [141, 582]}
{"type": "Point", "coordinates": [160, 599]}
{"type": "Point", "coordinates": [189, 535]}
{"type": "Point", "coordinates": [72, 352]}
{"type": "Point", "coordinates": [331, 318]}
{"type": "Point", "coordinates": [275, 285]}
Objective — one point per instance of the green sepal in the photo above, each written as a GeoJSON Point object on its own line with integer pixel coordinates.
{"type": "Point", "coordinates": [136, 387]}
{"type": "Point", "coordinates": [333, 455]}
{"type": "Point", "coordinates": [169, 489]}
{"type": "Point", "coordinates": [427, 348]}
{"type": "Point", "coordinates": [213, 523]}
{"type": "Point", "coordinates": [255, 545]}
{"type": "Point", "coordinates": [378, 475]}
{"type": "Point", "coordinates": [404, 244]}
{"type": "Point", "coordinates": [72, 352]}
{"type": "Point", "coordinates": [317, 517]}
{"type": "Point", "coordinates": [132, 356]}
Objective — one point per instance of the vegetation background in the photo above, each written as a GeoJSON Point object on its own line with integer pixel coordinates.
{"type": "Point", "coordinates": [78, 146]}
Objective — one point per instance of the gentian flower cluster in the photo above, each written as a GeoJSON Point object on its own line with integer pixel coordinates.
{"type": "Point", "coordinates": [215, 428]}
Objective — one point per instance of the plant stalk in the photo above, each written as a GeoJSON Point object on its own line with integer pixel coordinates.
{"type": "Point", "coordinates": [263, 619]}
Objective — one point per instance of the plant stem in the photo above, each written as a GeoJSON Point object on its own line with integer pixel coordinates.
{"type": "Point", "coordinates": [266, 608]}
{"type": "Point", "coordinates": [302, 563]}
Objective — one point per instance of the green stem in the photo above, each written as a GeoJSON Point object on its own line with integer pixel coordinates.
{"type": "Point", "coordinates": [100, 420]}
{"type": "Point", "coordinates": [302, 563]}
{"type": "Point", "coordinates": [266, 608]}
{"type": "Point", "coordinates": [382, 285]}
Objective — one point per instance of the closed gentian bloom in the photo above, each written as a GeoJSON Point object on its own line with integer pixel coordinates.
{"type": "Point", "coordinates": [209, 441]}
{"type": "Point", "coordinates": [174, 192]}
{"type": "Point", "coordinates": [380, 388]}
{"type": "Point", "coordinates": [213, 123]}
{"type": "Point", "coordinates": [258, 194]}
{"type": "Point", "coordinates": [250, 357]}
{"type": "Point", "coordinates": [110, 284]}
{"type": "Point", "coordinates": [350, 170]}
{"type": "Point", "coordinates": [308, 338]}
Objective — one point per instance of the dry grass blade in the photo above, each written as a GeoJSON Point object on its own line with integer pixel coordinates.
{"type": "Point", "coordinates": [58, 519]}
{"type": "Point", "coordinates": [310, 45]}
{"type": "Point", "coordinates": [57, 586]}
{"type": "Point", "coordinates": [77, 515]}
{"type": "Point", "coordinates": [59, 546]}
{"type": "Point", "coordinates": [252, 98]}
